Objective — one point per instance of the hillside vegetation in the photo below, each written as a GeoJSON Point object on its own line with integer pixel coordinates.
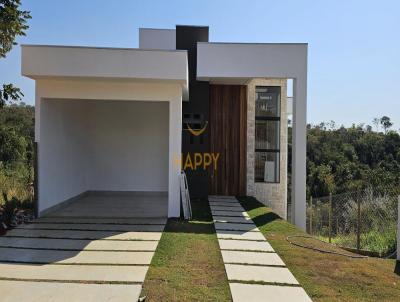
{"type": "Point", "coordinates": [343, 159]}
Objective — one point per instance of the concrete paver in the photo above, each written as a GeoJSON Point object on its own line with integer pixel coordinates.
{"type": "Point", "coordinates": [225, 204]}
{"type": "Point", "coordinates": [261, 246]}
{"type": "Point", "coordinates": [257, 258]}
{"type": "Point", "coordinates": [60, 256]}
{"type": "Point", "coordinates": [240, 293]}
{"type": "Point", "coordinates": [108, 235]}
{"type": "Point", "coordinates": [240, 235]}
{"type": "Point", "coordinates": [235, 226]}
{"type": "Point", "coordinates": [74, 244]}
{"type": "Point", "coordinates": [116, 273]}
{"type": "Point", "coordinates": [12, 291]}
{"type": "Point", "coordinates": [93, 227]}
{"type": "Point", "coordinates": [229, 213]}
{"type": "Point", "coordinates": [248, 257]}
{"type": "Point", "coordinates": [233, 219]}
{"type": "Point", "coordinates": [222, 197]}
{"type": "Point", "coordinates": [260, 273]}
{"type": "Point", "coordinates": [228, 209]}
{"type": "Point", "coordinates": [72, 257]}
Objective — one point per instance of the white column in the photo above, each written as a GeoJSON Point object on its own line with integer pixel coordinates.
{"type": "Point", "coordinates": [37, 112]}
{"type": "Point", "coordinates": [175, 140]}
{"type": "Point", "coordinates": [299, 143]}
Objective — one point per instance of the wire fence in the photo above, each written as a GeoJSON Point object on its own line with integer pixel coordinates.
{"type": "Point", "coordinates": [365, 221]}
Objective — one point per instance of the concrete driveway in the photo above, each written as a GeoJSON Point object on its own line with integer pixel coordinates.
{"type": "Point", "coordinates": [77, 259]}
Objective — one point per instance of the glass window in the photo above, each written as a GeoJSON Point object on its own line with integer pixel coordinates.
{"type": "Point", "coordinates": [267, 167]}
{"type": "Point", "coordinates": [267, 101]}
{"type": "Point", "coordinates": [267, 134]}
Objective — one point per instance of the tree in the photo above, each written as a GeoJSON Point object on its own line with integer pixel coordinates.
{"type": "Point", "coordinates": [376, 121]}
{"type": "Point", "coordinates": [351, 159]}
{"type": "Point", "coordinates": [13, 23]}
{"type": "Point", "coordinates": [12, 146]}
{"type": "Point", "coordinates": [386, 123]}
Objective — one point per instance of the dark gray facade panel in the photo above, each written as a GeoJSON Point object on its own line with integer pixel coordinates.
{"type": "Point", "coordinates": [196, 110]}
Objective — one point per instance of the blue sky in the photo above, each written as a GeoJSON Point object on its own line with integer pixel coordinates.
{"type": "Point", "coordinates": [354, 46]}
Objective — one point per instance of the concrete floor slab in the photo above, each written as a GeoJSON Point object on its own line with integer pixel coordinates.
{"type": "Point", "coordinates": [233, 219]}
{"type": "Point", "coordinates": [116, 273]}
{"type": "Point", "coordinates": [260, 246]}
{"type": "Point", "coordinates": [240, 235]}
{"type": "Point", "coordinates": [255, 258]}
{"type": "Point", "coordinates": [69, 257]}
{"type": "Point", "coordinates": [12, 291]}
{"type": "Point", "coordinates": [236, 226]}
{"type": "Point", "coordinates": [229, 213]}
{"type": "Point", "coordinates": [69, 234]}
{"type": "Point", "coordinates": [260, 274]}
{"type": "Point", "coordinates": [76, 244]}
{"type": "Point", "coordinates": [93, 227]}
{"type": "Point", "coordinates": [240, 293]}
{"type": "Point", "coordinates": [90, 220]}
{"type": "Point", "coordinates": [116, 205]}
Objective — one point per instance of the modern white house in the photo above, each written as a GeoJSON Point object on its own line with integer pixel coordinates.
{"type": "Point", "coordinates": [124, 121]}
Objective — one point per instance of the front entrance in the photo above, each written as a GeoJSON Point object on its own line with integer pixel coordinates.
{"type": "Point", "coordinates": [228, 131]}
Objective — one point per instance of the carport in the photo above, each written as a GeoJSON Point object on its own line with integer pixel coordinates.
{"type": "Point", "coordinates": [108, 130]}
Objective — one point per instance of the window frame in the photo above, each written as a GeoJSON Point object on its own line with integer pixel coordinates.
{"type": "Point", "coordinates": [269, 118]}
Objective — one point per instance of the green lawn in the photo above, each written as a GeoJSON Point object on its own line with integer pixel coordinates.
{"type": "Point", "coordinates": [187, 265]}
{"type": "Point", "coordinates": [326, 277]}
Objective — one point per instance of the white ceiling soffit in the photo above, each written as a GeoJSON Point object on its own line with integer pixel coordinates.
{"type": "Point", "coordinates": [224, 61]}
{"type": "Point", "coordinates": [42, 61]}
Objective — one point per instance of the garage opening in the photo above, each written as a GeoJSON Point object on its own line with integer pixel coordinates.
{"type": "Point", "coordinates": [103, 158]}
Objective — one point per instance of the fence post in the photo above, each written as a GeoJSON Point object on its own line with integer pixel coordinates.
{"type": "Point", "coordinates": [330, 217]}
{"type": "Point", "coordinates": [311, 215]}
{"type": "Point", "coordinates": [398, 228]}
{"type": "Point", "coordinates": [358, 221]}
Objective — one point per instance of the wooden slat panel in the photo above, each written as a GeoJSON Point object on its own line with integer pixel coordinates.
{"type": "Point", "coordinates": [243, 140]}
{"type": "Point", "coordinates": [228, 124]}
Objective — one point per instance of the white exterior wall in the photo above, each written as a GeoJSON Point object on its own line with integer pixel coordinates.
{"type": "Point", "coordinates": [154, 38]}
{"type": "Point", "coordinates": [60, 181]}
{"type": "Point", "coordinates": [62, 153]}
{"type": "Point", "coordinates": [128, 146]}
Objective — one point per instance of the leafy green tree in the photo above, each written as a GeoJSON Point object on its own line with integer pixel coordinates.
{"type": "Point", "coordinates": [347, 159]}
{"type": "Point", "coordinates": [13, 23]}
{"type": "Point", "coordinates": [386, 123]}
{"type": "Point", "coordinates": [12, 146]}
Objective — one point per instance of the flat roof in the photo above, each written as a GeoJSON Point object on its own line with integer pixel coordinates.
{"type": "Point", "coordinates": [103, 47]}
{"type": "Point", "coordinates": [58, 61]}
